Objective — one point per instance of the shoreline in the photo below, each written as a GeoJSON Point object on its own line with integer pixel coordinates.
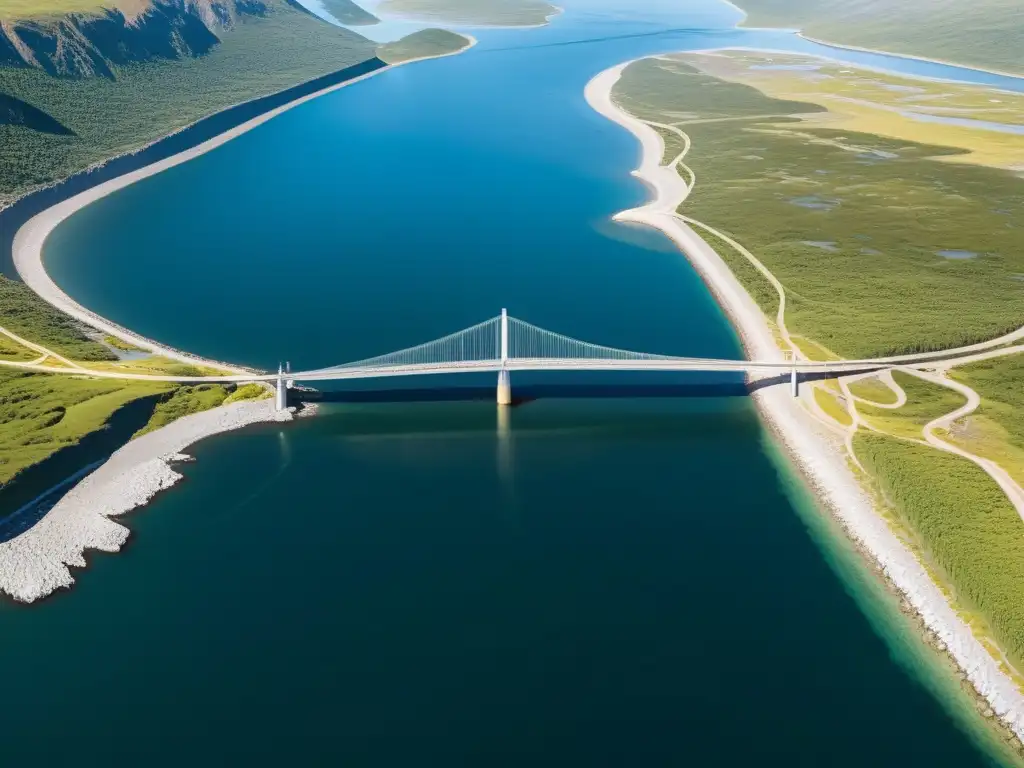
{"type": "Point", "coordinates": [812, 452]}
{"type": "Point", "coordinates": [37, 562]}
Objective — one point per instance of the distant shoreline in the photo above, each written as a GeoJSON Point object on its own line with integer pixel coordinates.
{"type": "Point", "coordinates": [815, 455]}
{"type": "Point", "coordinates": [741, 24]}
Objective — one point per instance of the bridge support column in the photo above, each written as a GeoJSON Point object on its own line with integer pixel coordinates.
{"type": "Point", "coordinates": [504, 388]}
{"type": "Point", "coordinates": [794, 383]}
{"type": "Point", "coordinates": [281, 396]}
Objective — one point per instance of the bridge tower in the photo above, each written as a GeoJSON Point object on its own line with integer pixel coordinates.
{"type": "Point", "coordinates": [281, 399]}
{"type": "Point", "coordinates": [504, 380]}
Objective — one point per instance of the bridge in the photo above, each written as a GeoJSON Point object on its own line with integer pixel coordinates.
{"type": "Point", "coordinates": [505, 344]}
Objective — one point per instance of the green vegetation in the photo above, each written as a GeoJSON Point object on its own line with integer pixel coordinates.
{"type": "Point", "coordinates": [40, 413]}
{"type": "Point", "coordinates": [983, 33]}
{"type": "Point", "coordinates": [144, 101]}
{"type": "Point", "coordinates": [121, 344]}
{"type": "Point", "coordinates": [925, 402]}
{"type": "Point", "coordinates": [183, 402]}
{"type": "Point", "coordinates": [833, 405]}
{"type": "Point", "coordinates": [510, 13]}
{"type": "Point", "coordinates": [874, 390]}
{"type": "Point", "coordinates": [996, 429]}
{"type": "Point", "coordinates": [41, 9]}
{"type": "Point", "coordinates": [28, 316]}
{"type": "Point", "coordinates": [854, 225]}
{"type": "Point", "coordinates": [347, 12]}
{"type": "Point", "coordinates": [422, 44]}
{"type": "Point", "coordinates": [965, 526]}
{"type": "Point", "coordinates": [248, 392]}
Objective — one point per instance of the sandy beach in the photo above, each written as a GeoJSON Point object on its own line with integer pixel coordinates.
{"type": "Point", "coordinates": [814, 451]}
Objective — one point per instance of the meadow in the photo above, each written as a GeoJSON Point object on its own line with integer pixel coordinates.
{"type": "Point", "coordinates": [483, 12]}
{"type": "Point", "coordinates": [882, 248]}
{"type": "Point", "coordinates": [981, 33]}
{"type": "Point", "coordinates": [965, 527]}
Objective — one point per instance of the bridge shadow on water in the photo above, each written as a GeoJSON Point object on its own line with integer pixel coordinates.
{"type": "Point", "coordinates": [526, 393]}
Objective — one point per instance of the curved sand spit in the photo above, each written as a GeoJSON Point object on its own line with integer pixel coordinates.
{"type": "Point", "coordinates": [817, 455]}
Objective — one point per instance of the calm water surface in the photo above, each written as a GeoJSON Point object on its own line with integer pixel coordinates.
{"type": "Point", "coordinates": [581, 581]}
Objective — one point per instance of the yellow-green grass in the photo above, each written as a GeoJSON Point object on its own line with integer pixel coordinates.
{"type": "Point", "coordinates": [481, 12]}
{"type": "Point", "coordinates": [248, 392]}
{"type": "Point", "coordinates": [865, 232]}
{"type": "Point", "coordinates": [121, 344]}
{"type": "Point", "coordinates": [673, 145]}
{"type": "Point", "coordinates": [981, 33]}
{"type": "Point", "coordinates": [812, 350]}
{"type": "Point", "coordinates": [423, 44]}
{"type": "Point", "coordinates": [256, 56]}
{"type": "Point", "coordinates": [23, 313]}
{"type": "Point", "coordinates": [158, 366]}
{"type": "Point", "coordinates": [864, 101]}
{"type": "Point", "coordinates": [184, 401]}
{"type": "Point", "coordinates": [925, 402]}
{"type": "Point", "coordinates": [874, 390]}
{"type": "Point", "coordinates": [12, 351]}
{"type": "Point", "coordinates": [43, 9]}
{"type": "Point", "coordinates": [40, 413]}
{"type": "Point", "coordinates": [831, 404]}
{"type": "Point", "coordinates": [996, 429]}
{"type": "Point", "coordinates": [965, 525]}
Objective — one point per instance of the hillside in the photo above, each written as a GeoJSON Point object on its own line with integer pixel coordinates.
{"type": "Point", "coordinates": [79, 88]}
{"type": "Point", "coordinates": [978, 33]}
{"type": "Point", "coordinates": [512, 13]}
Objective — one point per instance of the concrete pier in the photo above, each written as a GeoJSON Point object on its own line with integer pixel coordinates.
{"type": "Point", "coordinates": [504, 388]}
{"type": "Point", "coordinates": [794, 383]}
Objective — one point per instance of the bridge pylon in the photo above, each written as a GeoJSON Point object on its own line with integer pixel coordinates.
{"type": "Point", "coordinates": [504, 379]}
{"type": "Point", "coordinates": [281, 396]}
{"type": "Point", "coordinates": [794, 383]}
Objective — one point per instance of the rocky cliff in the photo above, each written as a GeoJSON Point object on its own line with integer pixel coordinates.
{"type": "Point", "coordinates": [94, 44]}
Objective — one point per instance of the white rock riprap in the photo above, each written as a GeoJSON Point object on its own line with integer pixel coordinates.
{"type": "Point", "coordinates": [36, 563]}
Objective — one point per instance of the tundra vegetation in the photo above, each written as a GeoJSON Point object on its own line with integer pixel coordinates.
{"type": "Point", "coordinates": [511, 13]}
{"type": "Point", "coordinates": [981, 33]}
{"type": "Point", "coordinates": [422, 44]}
{"type": "Point", "coordinates": [892, 230]}
{"type": "Point", "coordinates": [62, 116]}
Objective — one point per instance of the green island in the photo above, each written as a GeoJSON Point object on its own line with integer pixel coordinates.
{"type": "Point", "coordinates": [891, 232]}
{"type": "Point", "coordinates": [427, 43]}
{"type": "Point", "coordinates": [510, 13]}
{"type": "Point", "coordinates": [987, 33]}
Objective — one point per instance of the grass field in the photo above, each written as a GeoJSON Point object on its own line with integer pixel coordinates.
{"type": "Point", "coordinates": [982, 33]}
{"type": "Point", "coordinates": [925, 402]}
{"type": "Point", "coordinates": [874, 390]}
{"type": "Point", "coordinates": [41, 9]}
{"type": "Point", "coordinates": [966, 527]}
{"type": "Point", "coordinates": [882, 249]}
{"type": "Point", "coordinates": [426, 42]}
{"type": "Point", "coordinates": [41, 414]}
{"type": "Point", "coordinates": [28, 316]}
{"type": "Point", "coordinates": [258, 56]}
{"type": "Point", "coordinates": [513, 13]}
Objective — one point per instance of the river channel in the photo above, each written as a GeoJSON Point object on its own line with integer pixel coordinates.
{"type": "Point", "coordinates": [598, 577]}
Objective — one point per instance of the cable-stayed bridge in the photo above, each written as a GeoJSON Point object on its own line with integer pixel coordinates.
{"type": "Point", "coordinates": [505, 344]}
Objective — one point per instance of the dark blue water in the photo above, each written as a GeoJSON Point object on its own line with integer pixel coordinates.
{"type": "Point", "coordinates": [620, 581]}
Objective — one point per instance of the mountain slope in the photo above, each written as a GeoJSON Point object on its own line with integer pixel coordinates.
{"type": "Point", "coordinates": [77, 99]}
